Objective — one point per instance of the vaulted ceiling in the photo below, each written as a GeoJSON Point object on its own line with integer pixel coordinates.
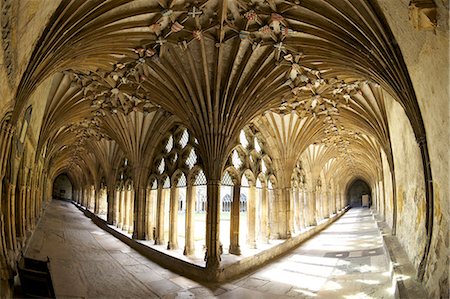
{"type": "Point", "coordinates": [309, 74]}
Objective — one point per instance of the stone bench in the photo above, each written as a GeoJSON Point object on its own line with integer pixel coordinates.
{"type": "Point", "coordinates": [35, 278]}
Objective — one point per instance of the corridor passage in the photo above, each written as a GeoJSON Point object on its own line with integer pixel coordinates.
{"type": "Point", "coordinates": [346, 260]}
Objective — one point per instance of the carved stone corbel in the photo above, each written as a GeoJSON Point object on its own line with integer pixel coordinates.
{"type": "Point", "coordinates": [423, 14]}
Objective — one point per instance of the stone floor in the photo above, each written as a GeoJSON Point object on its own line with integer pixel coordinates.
{"type": "Point", "coordinates": [346, 260]}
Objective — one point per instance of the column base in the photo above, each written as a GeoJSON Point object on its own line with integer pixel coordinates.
{"type": "Point", "coordinates": [188, 251]}
{"type": "Point", "coordinates": [235, 249]}
{"type": "Point", "coordinates": [7, 288]}
{"type": "Point", "coordinates": [171, 246]}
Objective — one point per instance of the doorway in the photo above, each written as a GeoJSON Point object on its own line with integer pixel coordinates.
{"type": "Point", "coordinates": [355, 193]}
{"type": "Point", "coordinates": [62, 187]}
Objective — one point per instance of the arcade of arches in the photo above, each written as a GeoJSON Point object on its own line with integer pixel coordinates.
{"type": "Point", "coordinates": [214, 127]}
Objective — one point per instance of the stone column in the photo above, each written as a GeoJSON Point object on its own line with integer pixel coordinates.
{"type": "Point", "coordinates": [327, 201]}
{"type": "Point", "coordinates": [191, 197]}
{"type": "Point", "coordinates": [126, 210]}
{"type": "Point", "coordinates": [173, 217]}
{"type": "Point", "coordinates": [312, 208]}
{"type": "Point", "coordinates": [148, 214]}
{"type": "Point", "coordinates": [335, 202]}
{"type": "Point", "coordinates": [20, 218]}
{"type": "Point", "coordinates": [92, 198]}
{"type": "Point", "coordinates": [117, 206]}
{"type": "Point", "coordinates": [122, 208]}
{"type": "Point", "coordinates": [96, 201]}
{"type": "Point", "coordinates": [10, 216]}
{"type": "Point", "coordinates": [285, 219]}
{"type": "Point", "coordinates": [290, 212]}
{"type": "Point", "coordinates": [139, 213]}
{"type": "Point", "coordinates": [110, 199]}
{"type": "Point", "coordinates": [234, 221]}
{"type": "Point", "coordinates": [296, 209]}
{"type": "Point", "coordinates": [301, 207]}
{"type": "Point", "coordinates": [265, 214]}
{"type": "Point", "coordinates": [276, 215]}
{"type": "Point", "coordinates": [29, 209]}
{"type": "Point", "coordinates": [319, 206]}
{"type": "Point", "coordinates": [251, 217]}
{"type": "Point", "coordinates": [131, 196]}
{"type": "Point", "coordinates": [213, 245]}
{"type": "Point", "coordinates": [160, 216]}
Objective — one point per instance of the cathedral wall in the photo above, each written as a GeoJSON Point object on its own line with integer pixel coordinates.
{"type": "Point", "coordinates": [388, 194]}
{"type": "Point", "coordinates": [410, 187]}
{"type": "Point", "coordinates": [426, 54]}
{"type": "Point", "coordinates": [32, 17]}
{"type": "Point", "coordinates": [62, 187]}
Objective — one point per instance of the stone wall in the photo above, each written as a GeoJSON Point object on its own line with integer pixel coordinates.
{"type": "Point", "coordinates": [62, 187]}
{"type": "Point", "coordinates": [388, 194]}
{"type": "Point", "coordinates": [426, 54]}
{"type": "Point", "coordinates": [410, 187]}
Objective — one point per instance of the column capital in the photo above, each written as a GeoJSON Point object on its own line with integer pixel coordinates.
{"type": "Point", "coordinates": [214, 182]}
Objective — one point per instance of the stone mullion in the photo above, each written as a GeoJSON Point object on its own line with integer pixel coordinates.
{"type": "Point", "coordinates": [191, 198]}
{"type": "Point", "coordinates": [234, 221]}
{"type": "Point", "coordinates": [173, 218]}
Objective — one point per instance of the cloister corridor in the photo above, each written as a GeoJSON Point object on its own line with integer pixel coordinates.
{"type": "Point", "coordinates": [346, 260]}
{"type": "Point", "coordinates": [224, 148]}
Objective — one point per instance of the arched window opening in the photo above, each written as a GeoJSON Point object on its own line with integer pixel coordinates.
{"type": "Point", "coordinates": [236, 160]}
{"type": "Point", "coordinates": [161, 166]}
{"type": "Point", "coordinates": [257, 145]}
{"type": "Point", "coordinates": [169, 145]}
{"type": "Point", "coordinates": [184, 138]}
{"type": "Point", "coordinates": [243, 139]}
{"type": "Point", "coordinates": [192, 159]}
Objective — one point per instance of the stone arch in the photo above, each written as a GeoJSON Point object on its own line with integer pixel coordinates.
{"type": "Point", "coordinates": [250, 176]}
{"type": "Point", "coordinates": [151, 182]}
{"type": "Point", "coordinates": [193, 173]}
{"type": "Point", "coordinates": [354, 189]}
{"type": "Point", "coordinates": [234, 174]}
{"type": "Point", "coordinates": [176, 177]}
